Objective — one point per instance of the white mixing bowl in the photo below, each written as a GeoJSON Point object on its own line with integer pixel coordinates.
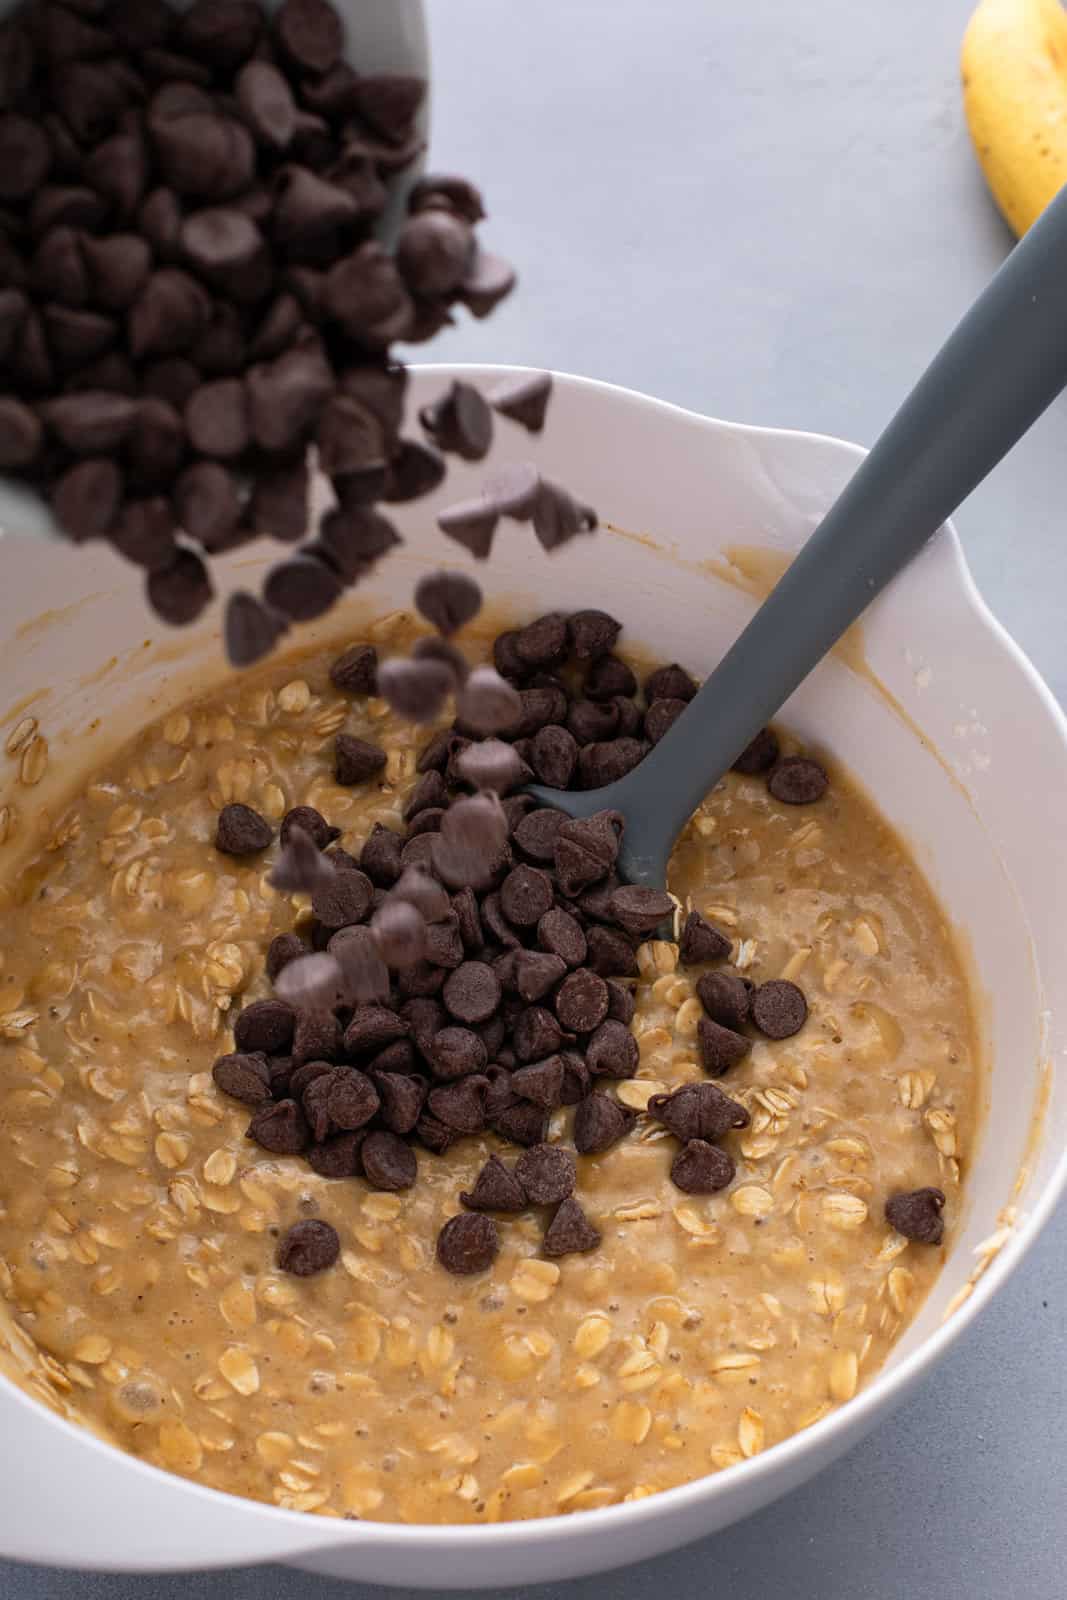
{"type": "Point", "coordinates": [947, 724]}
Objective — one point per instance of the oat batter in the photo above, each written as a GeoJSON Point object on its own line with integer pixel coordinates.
{"type": "Point", "coordinates": [138, 1224]}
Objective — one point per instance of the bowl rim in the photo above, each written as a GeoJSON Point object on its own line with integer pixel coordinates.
{"type": "Point", "coordinates": [310, 1533]}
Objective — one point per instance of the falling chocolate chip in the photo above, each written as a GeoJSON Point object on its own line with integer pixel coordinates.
{"type": "Point", "coordinates": [313, 980]}
{"type": "Point", "coordinates": [779, 1009]}
{"type": "Point", "coordinates": [524, 400]}
{"type": "Point", "coordinates": [448, 600]}
{"type": "Point", "coordinates": [241, 831]}
{"type": "Point", "coordinates": [250, 630]}
{"type": "Point", "coordinates": [917, 1215]}
{"type": "Point", "coordinates": [459, 422]}
{"type": "Point", "coordinates": [401, 934]}
{"type": "Point", "coordinates": [702, 1168]}
{"type": "Point", "coordinates": [309, 1246]}
{"type": "Point", "coordinates": [570, 1231]}
{"type": "Point", "coordinates": [415, 689]}
{"type": "Point", "coordinates": [468, 1243]}
{"type": "Point", "coordinates": [797, 781]}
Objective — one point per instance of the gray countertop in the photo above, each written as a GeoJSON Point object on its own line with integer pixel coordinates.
{"type": "Point", "coordinates": [771, 213]}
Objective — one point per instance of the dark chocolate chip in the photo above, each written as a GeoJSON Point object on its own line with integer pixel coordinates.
{"type": "Point", "coordinates": [543, 643]}
{"type": "Point", "coordinates": [281, 1128]}
{"type": "Point", "coordinates": [216, 419]}
{"type": "Point", "coordinates": [353, 1100]}
{"type": "Point", "coordinates": [402, 1098]}
{"type": "Point", "coordinates": [241, 831]}
{"type": "Point", "coordinates": [661, 716]}
{"type": "Point", "coordinates": [207, 503]}
{"type": "Point", "coordinates": [468, 1243]}
{"type": "Point", "coordinates": [415, 470]}
{"type": "Point", "coordinates": [546, 1173]}
{"type": "Point", "coordinates": [701, 941]}
{"type": "Point", "coordinates": [569, 1231]}
{"type": "Point", "coordinates": [465, 905]}
{"type": "Point", "coordinates": [720, 1048]}
{"type": "Point", "coordinates": [388, 1162]}
{"type": "Point", "coordinates": [314, 980]}
{"type": "Point", "coordinates": [267, 102]}
{"type": "Point", "coordinates": [521, 1123]}
{"type": "Point", "coordinates": [702, 1168]}
{"type": "Point", "coordinates": [495, 1189]}
{"type": "Point", "coordinates": [338, 1157]}
{"type": "Point", "coordinates": [797, 781]}
{"type": "Point", "coordinates": [265, 1025]}
{"type": "Point", "coordinates": [525, 895]}
{"type": "Point", "coordinates": [171, 311]}
{"type": "Point", "coordinates": [621, 1003]}
{"type": "Point", "coordinates": [355, 760]}
{"type": "Point", "coordinates": [401, 934]}
{"type": "Point", "coordinates": [669, 683]}
{"type": "Point", "coordinates": [356, 671]}
{"type": "Point", "coordinates": [373, 1026]}
{"type": "Point", "coordinates": [460, 422]}
{"type": "Point", "coordinates": [344, 900]}
{"type": "Point", "coordinates": [536, 833]}
{"type": "Point", "coordinates": [639, 908]}
{"type": "Point", "coordinates": [917, 1215]}
{"type": "Point", "coordinates": [612, 1051]}
{"type": "Point", "coordinates": [536, 1034]}
{"type": "Point", "coordinates": [608, 677]}
{"type": "Point", "coordinates": [448, 600]}
{"type": "Point", "coordinates": [283, 948]}
{"type": "Point", "coordinates": [415, 689]}
{"type": "Point", "coordinates": [576, 1078]}
{"type": "Point", "coordinates": [601, 764]}
{"type": "Point", "coordinates": [312, 822]}
{"type": "Point", "coordinates": [21, 437]}
{"type": "Point", "coordinates": [779, 1009]}
{"type": "Point", "coordinates": [460, 1105]}
{"type": "Point", "coordinates": [513, 490]}
{"type": "Point", "coordinates": [725, 997]}
{"type": "Point", "coordinates": [444, 190]}
{"type": "Point", "coordinates": [610, 953]}
{"type": "Point", "coordinates": [540, 1082]}
{"type": "Point", "coordinates": [582, 1001]}
{"type": "Point", "coordinates": [586, 849]}
{"type": "Point", "coordinates": [434, 1134]}
{"type": "Point", "coordinates": [455, 1052]}
{"type": "Point", "coordinates": [561, 934]}
{"type": "Point", "coordinates": [472, 992]}
{"type": "Point", "coordinates": [309, 1246]}
{"type": "Point", "coordinates": [559, 517]}
{"type": "Point", "coordinates": [524, 400]}
{"type": "Point", "coordinates": [310, 34]}
{"type": "Point", "coordinates": [243, 1076]}
{"type": "Point", "coordinates": [599, 1122]}
{"type": "Point", "coordinates": [434, 251]}
{"type": "Point", "coordinates": [317, 1037]}
{"type": "Point", "coordinates": [301, 588]}
{"type": "Point", "coordinates": [285, 396]}
{"type": "Point", "coordinates": [380, 856]}
{"type": "Point", "coordinates": [554, 756]}
{"type": "Point", "coordinates": [592, 634]}
{"type": "Point", "coordinates": [698, 1111]}
{"type": "Point", "coordinates": [759, 754]}
{"type": "Point", "coordinates": [536, 973]}
{"type": "Point", "coordinates": [593, 721]}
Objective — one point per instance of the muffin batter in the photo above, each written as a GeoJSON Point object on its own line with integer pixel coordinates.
{"type": "Point", "coordinates": [139, 1225]}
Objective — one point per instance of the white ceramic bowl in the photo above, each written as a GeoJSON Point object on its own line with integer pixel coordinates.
{"type": "Point", "coordinates": [947, 724]}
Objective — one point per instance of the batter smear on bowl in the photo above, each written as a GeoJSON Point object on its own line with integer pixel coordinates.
{"type": "Point", "coordinates": [341, 1180]}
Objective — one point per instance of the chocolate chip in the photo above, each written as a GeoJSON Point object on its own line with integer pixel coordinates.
{"type": "Point", "coordinates": [702, 1168]}
{"type": "Point", "coordinates": [720, 1048]}
{"type": "Point", "coordinates": [536, 834]}
{"type": "Point", "coordinates": [267, 103]}
{"type": "Point", "coordinates": [559, 933]}
{"type": "Point", "coordinates": [21, 436]}
{"type": "Point", "coordinates": [285, 397]}
{"type": "Point", "coordinates": [309, 1246]}
{"type": "Point", "coordinates": [25, 157]}
{"type": "Point", "coordinates": [540, 1082]}
{"type": "Point", "coordinates": [338, 1157]}
{"type": "Point", "coordinates": [701, 941]}
{"type": "Point", "coordinates": [554, 756]}
{"type": "Point", "coordinates": [401, 934]}
{"type": "Point", "coordinates": [460, 1105]}
{"type": "Point", "coordinates": [179, 592]}
{"type": "Point", "coordinates": [546, 1173]}
{"type": "Point", "coordinates": [353, 1101]}
{"type": "Point", "coordinates": [434, 1134]}
{"type": "Point", "coordinates": [608, 677]}
{"type": "Point", "coordinates": [428, 820]}
{"type": "Point", "coordinates": [525, 896]}
{"type": "Point", "coordinates": [662, 715]}
{"type": "Point", "coordinates": [380, 856]}
{"type": "Point", "coordinates": [455, 1052]}
{"type": "Point", "coordinates": [243, 1076]}
{"type": "Point", "coordinates": [524, 400]}
{"type": "Point", "coordinates": [797, 781]}
{"type": "Point", "coordinates": [599, 1122]}
{"type": "Point", "coordinates": [388, 1163]}
{"type": "Point", "coordinates": [569, 1231]}
{"type": "Point", "coordinates": [221, 32]}
{"type": "Point", "coordinates": [241, 831]}
{"type": "Point", "coordinates": [513, 490]}
{"type": "Point", "coordinates": [344, 900]}
{"type": "Point", "coordinates": [282, 1129]}
{"type": "Point", "coordinates": [283, 948]}
{"type": "Point", "coordinates": [698, 1111]}
{"type": "Point", "coordinates": [522, 1123]}
{"type": "Point", "coordinates": [576, 1078]}
{"type": "Point", "coordinates": [311, 822]}
{"type": "Point", "coordinates": [759, 754]}
{"type": "Point", "coordinates": [415, 689]}
{"type": "Point", "coordinates": [452, 193]}
{"type": "Point", "coordinates": [355, 760]}
{"type": "Point", "coordinates": [559, 517]}
{"type": "Point", "coordinates": [206, 500]}
{"type": "Point", "coordinates": [495, 1189]}
{"type": "Point", "coordinates": [640, 909]}
{"type": "Point", "coordinates": [917, 1215]}
{"type": "Point", "coordinates": [725, 997]}
{"type": "Point", "coordinates": [472, 992]}
{"type": "Point", "coordinates": [315, 1098]}
{"type": "Point", "coordinates": [582, 1001]}
{"type": "Point", "coordinates": [448, 600]}
{"type": "Point", "coordinates": [444, 947]}
{"type": "Point", "coordinates": [168, 315]}
{"type": "Point", "coordinates": [265, 1025]}
{"type": "Point", "coordinates": [434, 251]}
{"type": "Point", "coordinates": [609, 953]}
{"type": "Point", "coordinates": [592, 634]}
{"type": "Point", "coordinates": [459, 422]}
{"type": "Point", "coordinates": [313, 980]}
{"type": "Point", "coordinates": [301, 1078]}
{"type": "Point", "coordinates": [373, 1026]}
{"type": "Point", "coordinates": [317, 1037]}
{"type": "Point", "coordinates": [669, 683]}
{"type": "Point", "coordinates": [538, 705]}
{"type": "Point", "coordinates": [621, 1003]}
{"type": "Point", "coordinates": [535, 973]}
{"type": "Point", "coordinates": [612, 1051]}
{"type": "Point", "coordinates": [402, 1098]}
{"type": "Point", "coordinates": [427, 896]}
{"type": "Point", "coordinates": [536, 1034]}
{"type": "Point", "coordinates": [144, 533]}
{"type": "Point", "coordinates": [779, 1009]}
{"type": "Point", "coordinates": [250, 630]}
{"type": "Point", "coordinates": [86, 499]}
{"type": "Point", "coordinates": [301, 588]}
{"type": "Point", "coordinates": [487, 702]}
{"type": "Point", "coordinates": [398, 1057]}
{"type": "Point", "coordinates": [465, 905]}
{"type": "Point", "coordinates": [356, 670]}
{"type": "Point", "coordinates": [601, 764]}
{"type": "Point", "coordinates": [593, 721]}
{"type": "Point", "coordinates": [468, 1243]}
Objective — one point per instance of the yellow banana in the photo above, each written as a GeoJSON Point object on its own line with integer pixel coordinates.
{"type": "Point", "coordinates": [1015, 95]}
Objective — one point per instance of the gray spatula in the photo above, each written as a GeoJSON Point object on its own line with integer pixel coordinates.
{"type": "Point", "coordinates": [998, 371]}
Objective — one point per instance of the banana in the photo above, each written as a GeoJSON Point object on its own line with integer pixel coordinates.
{"type": "Point", "coordinates": [1014, 63]}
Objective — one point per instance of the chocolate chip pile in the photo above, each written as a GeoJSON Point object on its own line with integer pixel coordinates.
{"type": "Point", "coordinates": [191, 296]}
{"type": "Point", "coordinates": [471, 972]}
